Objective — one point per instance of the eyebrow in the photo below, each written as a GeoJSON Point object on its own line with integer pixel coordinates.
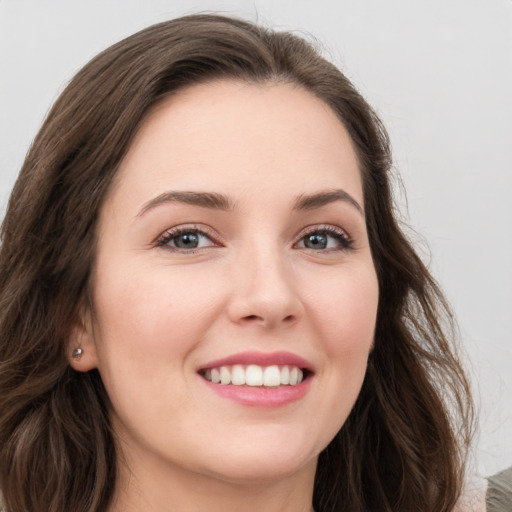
{"type": "Point", "coordinates": [312, 201]}
{"type": "Point", "coordinates": [216, 201]}
{"type": "Point", "coordinates": [210, 200]}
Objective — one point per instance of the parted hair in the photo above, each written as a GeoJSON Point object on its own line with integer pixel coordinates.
{"type": "Point", "coordinates": [404, 445]}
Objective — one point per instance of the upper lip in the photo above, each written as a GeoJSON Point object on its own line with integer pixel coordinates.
{"type": "Point", "coordinates": [261, 359]}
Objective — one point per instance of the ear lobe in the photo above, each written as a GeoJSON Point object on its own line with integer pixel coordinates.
{"type": "Point", "coordinates": [81, 347]}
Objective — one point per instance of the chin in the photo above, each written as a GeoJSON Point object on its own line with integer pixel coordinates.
{"type": "Point", "coordinates": [248, 471]}
{"type": "Point", "coordinates": [264, 460]}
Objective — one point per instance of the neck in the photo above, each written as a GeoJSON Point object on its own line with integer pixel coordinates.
{"type": "Point", "coordinates": [166, 488]}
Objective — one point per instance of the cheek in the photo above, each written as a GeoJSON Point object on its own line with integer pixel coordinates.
{"type": "Point", "coordinates": [343, 316]}
{"type": "Point", "coordinates": [341, 311]}
{"type": "Point", "coordinates": [345, 310]}
{"type": "Point", "coordinates": [146, 326]}
{"type": "Point", "coordinates": [157, 314]}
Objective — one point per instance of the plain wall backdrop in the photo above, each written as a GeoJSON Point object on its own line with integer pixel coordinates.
{"type": "Point", "coordinates": [439, 73]}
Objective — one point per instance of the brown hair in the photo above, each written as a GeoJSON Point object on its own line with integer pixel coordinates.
{"type": "Point", "coordinates": [403, 446]}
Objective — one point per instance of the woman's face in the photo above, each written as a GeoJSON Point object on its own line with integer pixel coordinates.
{"type": "Point", "coordinates": [233, 246]}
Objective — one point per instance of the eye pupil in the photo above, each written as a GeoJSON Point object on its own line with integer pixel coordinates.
{"type": "Point", "coordinates": [316, 241]}
{"type": "Point", "coordinates": [187, 241]}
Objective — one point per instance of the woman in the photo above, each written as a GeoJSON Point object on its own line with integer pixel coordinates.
{"type": "Point", "coordinates": [206, 299]}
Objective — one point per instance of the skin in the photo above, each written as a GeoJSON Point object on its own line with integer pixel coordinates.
{"type": "Point", "coordinates": [254, 284]}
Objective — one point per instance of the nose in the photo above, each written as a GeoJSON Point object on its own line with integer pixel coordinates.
{"type": "Point", "coordinates": [264, 291]}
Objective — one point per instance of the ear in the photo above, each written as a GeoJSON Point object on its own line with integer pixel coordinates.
{"type": "Point", "coordinates": [81, 346]}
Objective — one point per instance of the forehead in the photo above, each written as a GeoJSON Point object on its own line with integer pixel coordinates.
{"type": "Point", "coordinates": [239, 136]}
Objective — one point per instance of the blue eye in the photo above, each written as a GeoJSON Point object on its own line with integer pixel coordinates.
{"type": "Point", "coordinates": [186, 239]}
{"type": "Point", "coordinates": [316, 241]}
{"type": "Point", "coordinates": [325, 239]}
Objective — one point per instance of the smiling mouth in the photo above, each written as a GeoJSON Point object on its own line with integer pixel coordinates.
{"type": "Point", "coordinates": [253, 375]}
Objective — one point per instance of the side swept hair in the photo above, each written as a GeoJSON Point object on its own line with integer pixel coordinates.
{"type": "Point", "coordinates": [404, 444]}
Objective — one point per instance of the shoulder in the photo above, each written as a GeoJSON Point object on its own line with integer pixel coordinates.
{"type": "Point", "coordinates": [488, 495]}
{"type": "Point", "coordinates": [499, 492]}
{"type": "Point", "coordinates": [473, 496]}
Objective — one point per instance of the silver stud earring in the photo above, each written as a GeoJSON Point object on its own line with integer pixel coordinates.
{"type": "Point", "coordinates": [77, 353]}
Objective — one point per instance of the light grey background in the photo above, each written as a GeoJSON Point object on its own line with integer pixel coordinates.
{"type": "Point", "coordinates": [440, 75]}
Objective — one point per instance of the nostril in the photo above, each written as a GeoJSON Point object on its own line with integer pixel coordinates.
{"type": "Point", "coordinates": [253, 317]}
{"type": "Point", "coordinates": [289, 319]}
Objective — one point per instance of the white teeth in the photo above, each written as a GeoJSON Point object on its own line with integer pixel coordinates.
{"type": "Point", "coordinates": [294, 376]}
{"type": "Point", "coordinates": [215, 375]}
{"type": "Point", "coordinates": [285, 375]}
{"type": "Point", "coordinates": [255, 375]}
{"type": "Point", "coordinates": [238, 375]}
{"type": "Point", "coordinates": [225, 376]}
{"type": "Point", "coordinates": [271, 376]}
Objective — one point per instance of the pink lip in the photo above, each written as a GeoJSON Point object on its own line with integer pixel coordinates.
{"type": "Point", "coordinates": [260, 396]}
{"type": "Point", "coordinates": [261, 359]}
{"type": "Point", "coordinates": [266, 397]}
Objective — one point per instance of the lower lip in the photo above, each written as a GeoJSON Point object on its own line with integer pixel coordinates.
{"type": "Point", "coordinates": [269, 397]}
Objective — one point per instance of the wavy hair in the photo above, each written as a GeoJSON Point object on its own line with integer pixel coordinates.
{"type": "Point", "coordinates": [404, 444]}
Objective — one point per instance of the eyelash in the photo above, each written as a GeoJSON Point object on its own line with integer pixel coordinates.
{"type": "Point", "coordinates": [337, 233]}
{"type": "Point", "coordinates": [345, 243]}
{"type": "Point", "coordinates": [173, 233]}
